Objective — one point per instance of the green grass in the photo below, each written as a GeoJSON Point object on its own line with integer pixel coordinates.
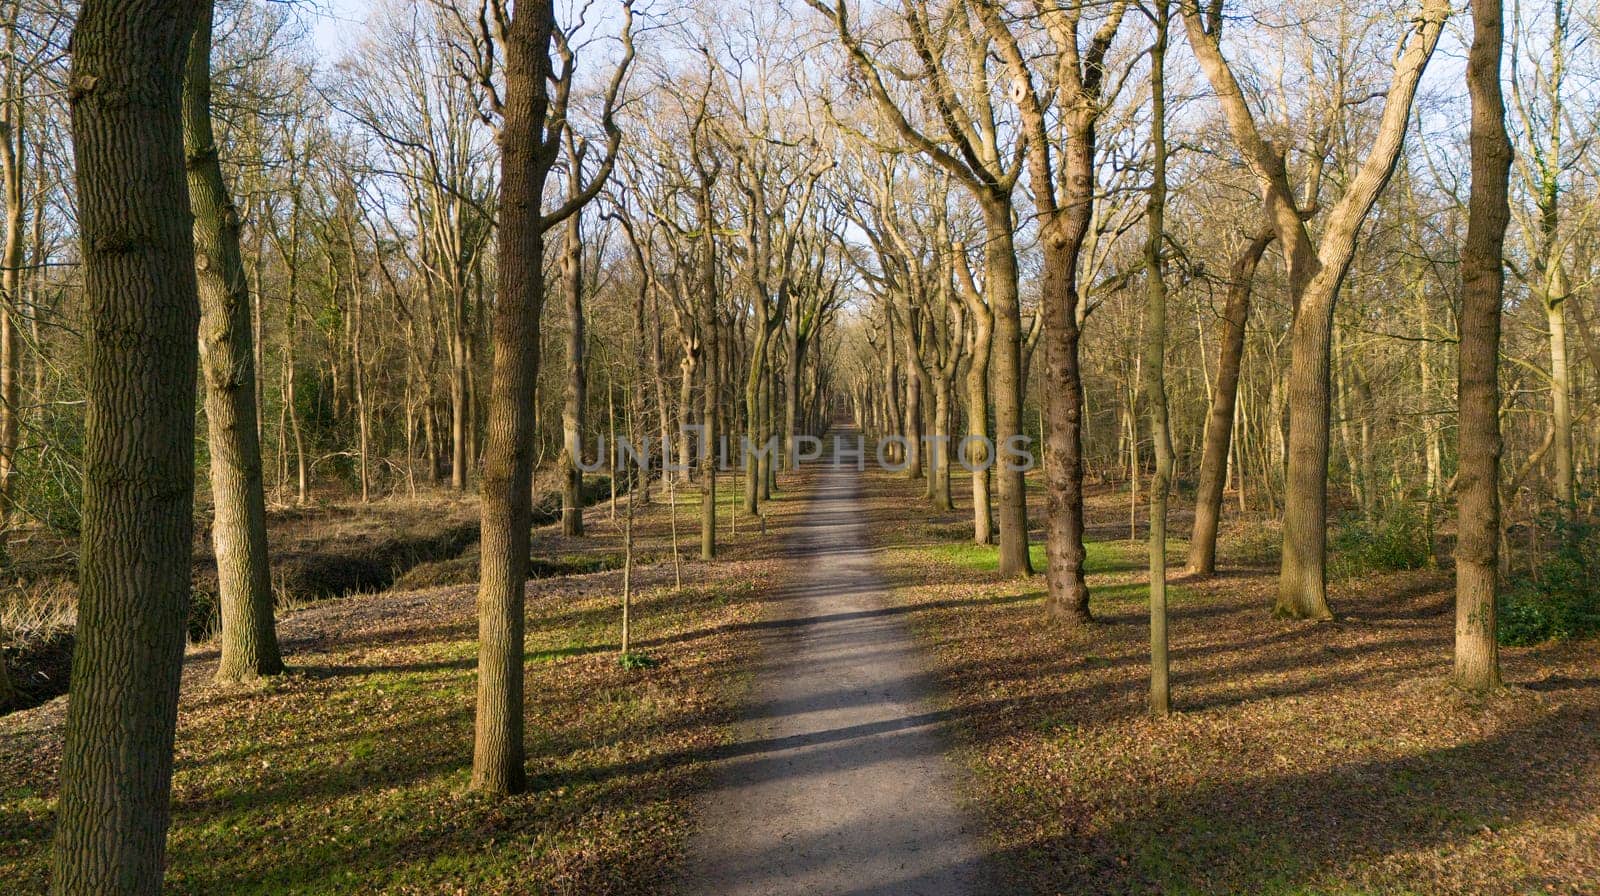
{"type": "Point", "coordinates": [1101, 557]}
{"type": "Point", "coordinates": [352, 774]}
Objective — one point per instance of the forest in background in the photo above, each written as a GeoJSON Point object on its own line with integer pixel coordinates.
{"type": "Point", "coordinates": [1231, 253]}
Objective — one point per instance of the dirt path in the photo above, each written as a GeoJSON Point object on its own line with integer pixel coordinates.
{"type": "Point", "coordinates": [837, 782]}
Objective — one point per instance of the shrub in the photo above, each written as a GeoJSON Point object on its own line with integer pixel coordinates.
{"type": "Point", "coordinates": [1559, 598]}
{"type": "Point", "coordinates": [1399, 539]}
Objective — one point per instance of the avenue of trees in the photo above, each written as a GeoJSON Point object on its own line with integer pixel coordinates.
{"type": "Point", "coordinates": [1329, 267]}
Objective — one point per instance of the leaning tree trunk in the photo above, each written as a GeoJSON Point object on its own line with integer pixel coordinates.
{"type": "Point", "coordinates": [125, 92]}
{"type": "Point", "coordinates": [1477, 660]}
{"type": "Point", "coordinates": [239, 527]}
{"type": "Point", "coordinates": [1224, 398]}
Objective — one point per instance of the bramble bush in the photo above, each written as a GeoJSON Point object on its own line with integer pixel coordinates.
{"type": "Point", "coordinates": [1397, 539]}
{"type": "Point", "coordinates": [1559, 598]}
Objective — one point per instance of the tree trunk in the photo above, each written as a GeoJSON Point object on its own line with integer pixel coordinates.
{"type": "Point", "coordinates": [977, 385]}
{"type": "Point", "coordinates": [1001, 261]}
{"type": "Point", "coordinates": [1155, 372]}
{"type": "Point", "coordinates": [125, 92]}
{"type": "Point", "coordinates": [1477, 660]}
{"type": "Point", "coordinates": [239, 528]}
{"type": "Point", "coordinates": [1224, 397]}
{"type": "Point", "coordinates": [1555, 301]}
{"type": "Point", "coordinates": [576, 393]}
{"type": "Point", "coordinates": [507, 478]}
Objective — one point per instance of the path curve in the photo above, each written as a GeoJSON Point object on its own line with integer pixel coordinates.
{"type": "Point", "coordinates": [838, 781]}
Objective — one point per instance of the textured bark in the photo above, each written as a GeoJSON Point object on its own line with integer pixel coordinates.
{"type": "Point", "coordinates": [530, 138]}
{"type": "Point", "coordinates": [1064, 202]}
{"type": "Point", "coordinates": [711, 345]}
{"type": "Point", "coordinates": [507, 479]}
{"type": "Point", "coordinates": [576, 392]}
{"type": "Point", "coordinates": [239, 527]}
{"type": "Point", "coordinates": [1477, 660]}
{"type": "Point", "coordinates": [977, 386]}
{"type": "Point", "coordinates": [1224, 398]}
{"type": "Point", "coordinates": [142, 318]}
{"type": "Point", "coordinates": [1000, 257]}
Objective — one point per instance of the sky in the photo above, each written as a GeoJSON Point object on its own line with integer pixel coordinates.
{"type": "Point", "coordinates": [335, 25]}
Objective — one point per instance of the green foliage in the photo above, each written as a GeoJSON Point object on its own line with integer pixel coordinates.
{"type": "Point", "coordinates": [1559, 598]}
{"type": "Point", "coordinates": [50, 473]}
{"type": "Point", "coordinates": [1397, 539]}
{"type": "Point", "coordinates": [633, 661]}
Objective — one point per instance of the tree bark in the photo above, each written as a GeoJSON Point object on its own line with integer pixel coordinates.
{"type": "Point", "coordinates": [1224, 398]}
{"type": "Point", "coordinates": [498, 764]}
{"type": "Point", "coordinates": [1155, 371]}
{"type": "Point", "coordinates": [1006, 361]}
{"type": "Point", "coordinates": [576, 392]}
{"type": "Point", "coordinates": [977, 387]}
{"type": "Point", "coordinates": [1477, 660]}
{"type": "Point", "coordinates": [249, 642]}
{"type": "Point", "coordinates": [125, 91]}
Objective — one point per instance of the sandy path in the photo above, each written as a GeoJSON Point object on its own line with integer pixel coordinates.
{"type": "Point", "coordinates": [837, 782]}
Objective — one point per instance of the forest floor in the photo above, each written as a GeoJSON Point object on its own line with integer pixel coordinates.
{"type": "Point", "coordinates": [1301, 758]}
{"type": "Point", "coordinates": [350, 773]}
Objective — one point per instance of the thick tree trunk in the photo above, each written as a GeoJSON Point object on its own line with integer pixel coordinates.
{"type": "Point", "coordinates": [10, 351]}
{"type": "Point", "coordinates": [755, 416]}
{"type": "Point", "coordinates": [239, 527]}
{"type": "Point", "coordinates": [1560, 389]}
{"type": "Point", "coordinates": [1302, 578]}
{"type": "Point", "coordinates": [1068, 599]}
{"type": "Point", "coordinates": [1006, 359]}
{"type": "Point", "coordinates": [143, 313]}
{"type": "Point", "coordinates": [1220, 422]}
{"type": "Point", "coordinates": [1477, 660]}
{"type": "Point", "coordinates": [13, 161]}
{"type": "Point", "coordinates": [459, 409]}
{"type": "Point", "coordinates": [710, 329]}
{"type": "Point", "coordinates": [939, 457]}
{"type": "Point", "coordinates": [507, 479]}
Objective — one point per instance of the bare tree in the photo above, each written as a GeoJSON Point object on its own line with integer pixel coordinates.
{"type": "Point", "coordinates": [1316, 272]}
{"type": "Point", "coordinates": [533, 113]}
{"type": "Point", "coordinates": [1477, 659]}
{"type": "Point", "coordinates": [249, 642]}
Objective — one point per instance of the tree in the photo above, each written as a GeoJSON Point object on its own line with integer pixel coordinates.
{"type": "Point", "coordinates": [249, 642]}
{"type": "Point", "coordinates": [1155, 366]}
{"type": "Point", "coordinates": [125, 93]}
{"type": "Point", "coordinates": [533, 115]}
{"type": "Point", "coordinates": [1316, 273]}
{"type": "Point", "coordinates": [1477, 660]}
{"type": "Point", "coordinates": [575, 392]}
{"type": "Point", "coordinates": [1064, 200]}
{"type": "Point", "coordinates": [1224, 399]}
